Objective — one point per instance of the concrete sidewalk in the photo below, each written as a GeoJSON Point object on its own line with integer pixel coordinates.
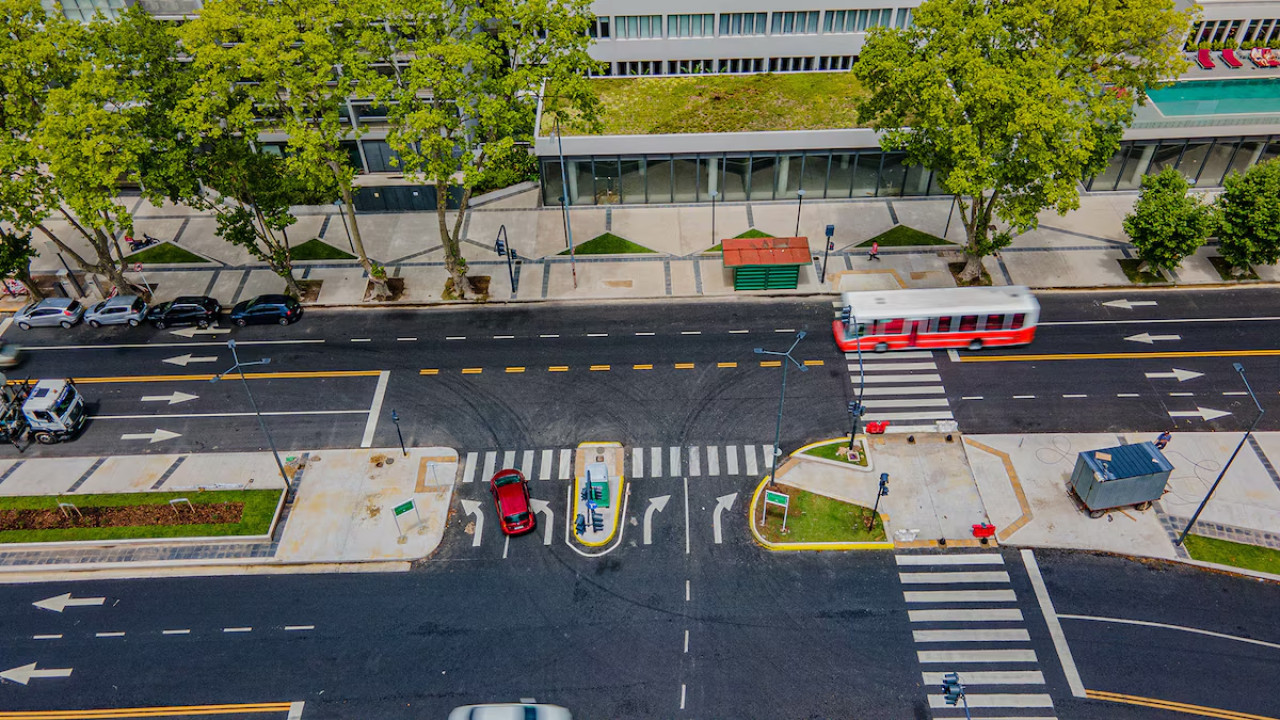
{"type": "Point", "coordinates": [1081, 249]}
{"type": "Point", "coordinates": [340, 511]}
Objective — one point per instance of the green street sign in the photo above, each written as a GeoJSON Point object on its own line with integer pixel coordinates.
{"type": "Point", "coordinates": [776, 498]}
{"type": "Point", "coordinates": [403, 508]}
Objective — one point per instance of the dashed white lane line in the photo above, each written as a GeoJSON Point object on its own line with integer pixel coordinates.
{"type": "Point", "coordinates": [691, 332]}
{"type": "Point", "coordinates": [1181, 394]}
{"type": "Point", "coordinates": [1236, 392]}
{"type": "Point", "coordinates": [59, 637]}
{"type": "Point", "coordinates": [181, 631]}
{"type": "Point", "coordinates": [109, 634]}
{"type": "Point", "coordinates": [739, 332]}
{"type": "Point", "coordinates": [549, 335]}
{"type": "Point", "coordinates": [597, 334]}
{"type": "Point", "coordinates": [681, 696]}
{"type": "Point", "coordinates": [361, 339]}
{"type": "Point", "coordinates": [646, 334]}
{"type": "Point", "coordinates": [1127, 395]}
{"type": "Point", "coordinates": [406, 339]}
{"type": "Point", "coordinates": [686, 640]}
{"type": "Point", "coordinates": [504, 337]}
{"type": "Point", "coordinates": [784, 330]}
{"type": "Point", "coordinates": [1024, 397]}
{"type": "Point", "coordinates": [237, 629]}
{"type": "Point", "coordinates": [971, 397]}
{"type": "Point", "coordinates": [297, 628]}
{"type": "Point", "coordinates": [1075, 395]}
{"type": "Point", "coordinates": [456, 337]}
{"type": "Point", "coordinates": [686, 590]}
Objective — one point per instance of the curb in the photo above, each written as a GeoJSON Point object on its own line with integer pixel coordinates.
{"type": "Point", "coordinates": [195, 568]}
{"type": "Point", "coordinates": [799, 546]}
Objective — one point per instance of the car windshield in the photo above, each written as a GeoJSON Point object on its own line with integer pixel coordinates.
{"type": "Point", "coordinates": [137, 305]}
{"type": "Point", "coordinates": [64, 401]}
{"type": "Point", "coordinates": [506, 480]}
{"type": "Point", "coordinates": [516, 518]}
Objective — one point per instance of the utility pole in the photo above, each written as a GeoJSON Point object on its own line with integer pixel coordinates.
{"type": "Point", "coordinates": [831, 231]}
{"type": "Point", "coordinates": [777, 433]}
{"type": "Point", "coordinates": [564, 204]}
{"type": "Point", "coordinates": [239, 368]}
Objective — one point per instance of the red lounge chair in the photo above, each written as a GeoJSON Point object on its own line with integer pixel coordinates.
{"type": "Point", "coordinates": [1258, 57]}
{"type": "Point", "coordinates": [1229, 57]}
{"type": "Point", "coordinates": [1204, 60]}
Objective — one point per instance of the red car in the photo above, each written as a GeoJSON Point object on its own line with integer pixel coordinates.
{"type": "Point", "coordinates": [511, 498]}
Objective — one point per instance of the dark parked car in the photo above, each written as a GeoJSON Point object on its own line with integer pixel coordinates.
{"type": "Point", "coordinates": [191, 310]}
{"type": "Point", "coordinates": [280, 309]}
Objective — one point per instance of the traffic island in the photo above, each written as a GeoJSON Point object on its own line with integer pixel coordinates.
{"type": "Point", "coordinates": [598, 498]}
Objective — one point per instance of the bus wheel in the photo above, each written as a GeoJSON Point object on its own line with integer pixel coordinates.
{"type": "Point", "coordinates": [975, 344]}
{"type": "Point", "coordinates": [882, 347]}
{"type": "Point", "coordinates": [46, 438]}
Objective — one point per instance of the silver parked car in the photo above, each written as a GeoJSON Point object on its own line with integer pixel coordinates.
{"type": "Point", "coordinates": [49, 313]}
{"type": "Point", "coordinates": [119, 310]}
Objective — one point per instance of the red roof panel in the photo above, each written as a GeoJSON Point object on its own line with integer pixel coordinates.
{"type": "Point", "coordinates": [765, 251]}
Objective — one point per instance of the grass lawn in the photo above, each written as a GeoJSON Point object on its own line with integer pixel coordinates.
{"type": "Point", "coordinates": [752, 233]}
{"type": "Point", "coordinates": [721, 103]}
{"type": "Point", "coordinates": [607, 244]}
{"type": "Point", "coordinates": [1130, 268]}
{"type": "Point", "coordinates": [1224, 269]}
{"type": "Point", "coordinates": [831, 451]}
{"type": "Point", "coordinates": [815, 518]}
{"type": "Point", "coordinates": [1225, 552]}
{"type": "Point", "coordinates": [902, 236]}
{"type": "Point", "coordinates": [165, 252]}
{"type": "Point", "coordinates": [259, 507]}
{"type": "Point", "coordinates": [317, 249]}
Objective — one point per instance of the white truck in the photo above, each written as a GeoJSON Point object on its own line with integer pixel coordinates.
{"type": "Point", "coordinates": [50, 411]}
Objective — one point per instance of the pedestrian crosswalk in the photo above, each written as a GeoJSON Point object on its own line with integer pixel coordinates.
{"type": "Point", "coordinates": [691, 461]}
{"type": "Point", "coordinates": [903, 388]}
{"type": "Point", "coordinates": [964, 619]}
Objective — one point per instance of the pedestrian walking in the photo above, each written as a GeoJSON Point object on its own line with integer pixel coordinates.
{"type": "Point", "coordinates": [1164, 439]}
{"type": "Point", "coordinates": [874, 252]}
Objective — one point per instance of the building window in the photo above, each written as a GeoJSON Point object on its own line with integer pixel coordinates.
{"type": "Point", "coordinates": [690, 67]}
{"type": "Point", "coordinates": [848, 21]}
{"type": "Point", "coordinates": [640, 67]}
{"type": "Point", "coordinates": [904, 19]}
{"type": "Point", "coordinates": [600, 28]}
{"type": "Point", "coordinates": [743, 23]}
{"type": "Point", "coordinates": [741, 65]}
{"type": "Point", "coordinates": [835, 62]}
{"type": "Point", "coordinates": [632, 27]}
{"type": "Point", "coordinates": [795, 23]}
{"type": "Point", "coordinates": [703, 25]}
{"type": "Point", "coordinates": [790, 64]}
{"type": "Point", "coordinates": [83, 10]}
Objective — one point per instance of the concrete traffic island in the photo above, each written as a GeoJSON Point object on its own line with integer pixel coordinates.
{"type": "Point", "coordinates": [598, 500]}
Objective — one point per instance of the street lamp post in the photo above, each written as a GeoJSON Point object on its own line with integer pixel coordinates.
{"type": "Point", "coordinates": [1187, 530]}
{"type": "Point", "coordinates": [564, 204]}
{"type": "Point", "coordinates": [777, 433]}
{"type": "Point", "coordinates": [504, 249]}
{"type": "Point", "coordinates": [831, 231]}
{"type": "Point", "coordinates": [395, 418]}
{"type": "Point", "coordinates": [799, 207]}
{"type": "Point", "coordinates": [714, 195]}
{"type": "Point", "coordinates": [342, 214]}
{"type": "Point", "coordinates": [239, 368]}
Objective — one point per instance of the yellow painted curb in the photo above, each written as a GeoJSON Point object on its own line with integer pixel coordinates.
{"type": "Point", "coordinates": [617, 514]}
{"type": "Point", "coordinates": [787, 547]}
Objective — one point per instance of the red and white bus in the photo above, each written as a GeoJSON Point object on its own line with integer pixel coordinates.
{"type": "Point", "coordinates": [971, 318]}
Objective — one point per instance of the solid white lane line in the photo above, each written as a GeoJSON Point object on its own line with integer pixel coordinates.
{"type": "Point", "coordinates": [916, 379]}
{"type": "Point", "coordinates": [1005, 700]}
{"type": "Point", "coordinates": [990, 677]}
{"type": "Point", "coordinates": [55, 637]}
{"type": "Point", "coordinates": [469, 470]}
{"type": "Point", "coordinates": [951, 559]}
{"type": "Point", "coordinates": [969, 615]}
{"type": "Point", "coordinates": [992, 635]}
{"type": "Point", "coordinates": [1179, 628]}
{"type": "Point", "coordinates": [959, 596]}
{"type": "Point", "coordinates": [1156, 321]}
{"type": "Point", "coordinates": [951, 657]}
{"type": "Point", "coordinates": [109, 634]}
{"type": "Point", "coordinates": [183, 631]}
{"type": "Point", "coordinates": [939, 578]}
{"type": "Point", "coordinates": [1055, 627]}
{"type": "Point", "coordinates": [876, 367]}
{"type": "Point", "coordinates": [295, 628]}
{"type": "Point", "coordinates": [237, 629]}
{"type": "Point", "coordinates": [906, 403]}
{"type": "Point", "coordinates": [275, 413]}
{"type": "Point", "coordinates": [375, 409]}
{"type": "Point", "coordinates": [910, 390]}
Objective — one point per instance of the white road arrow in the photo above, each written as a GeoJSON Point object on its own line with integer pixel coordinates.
{"type": "Point", "coordinates": [194, 331]}
{"type": "Point", "coordinates": [1179, 375]}
{"type": "Point", "coordinates": [187, 359]}
{"type": "Point", "coordinates": [549, 518]}
{"type": "Point", "coordinates": [173, 399]}
{"type": "Point", "coordinates": [1149, 339]}
{"type": "Point", "coordinates": [1202, 413]}
{"type": "Point", "coordinates": [472, 507]}
{"type": "Point", "coordinates": [151, 437]}
{"type": "Point", "coordinates": [64, 601]}
{"type": "Point", "coordinates": [656, 504]}
{"type": "Point", "coordinates": [24, 674]}
{"type": "Point", "coordinates": [1128, 304]}
{"type": "Point", "coordinates": [724, 502]}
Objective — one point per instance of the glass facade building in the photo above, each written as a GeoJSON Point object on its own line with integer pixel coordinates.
{"type": "Point", "coordinates": [760, 176]}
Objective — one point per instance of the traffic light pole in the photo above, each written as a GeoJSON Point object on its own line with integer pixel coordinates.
{"type": "Point", "coordinates": [953, 692]}
{"type": "Point", "coordinates": [856, 410]}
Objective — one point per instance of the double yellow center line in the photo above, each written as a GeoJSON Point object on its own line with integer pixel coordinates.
{"type": "Point", "coordinates": [1171, 706]}
{"type": "Point", "coordinates": [517, 369]}
{"type": "Point", "coordinates": [149, 712]}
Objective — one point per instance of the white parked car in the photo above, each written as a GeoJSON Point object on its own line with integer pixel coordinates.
{"type": "Point", "coordinates": [510, 711]}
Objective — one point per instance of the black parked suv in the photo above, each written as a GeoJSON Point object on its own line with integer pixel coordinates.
{"type": "Point", "coordinates": [280, 309]}
{"type": "Point", "coordinates": [192, 310]}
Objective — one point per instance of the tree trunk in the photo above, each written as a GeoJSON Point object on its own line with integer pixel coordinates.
{"type": "Point", "coordinates": [972, 268]}
{"type": "Point", "coordinates": [24, 276]}
{"type": "Point", "coordinates": [291, 283]}
{"type": "Point", "coordinates": [453, 260]}
{"type": "Point", "coordinates": [106, 265]}
{"type": "Point", "coordinates": [380, 289]}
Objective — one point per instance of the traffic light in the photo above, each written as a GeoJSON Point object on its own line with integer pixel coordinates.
{"type": "Point", "coordinates": [856, 409]}
{"type": "Point", "coordinates": [846, 314]}
{"type": "Point", "coordinates": [951, 688]}
{"type": "Point", "coordinates": [501, 247]}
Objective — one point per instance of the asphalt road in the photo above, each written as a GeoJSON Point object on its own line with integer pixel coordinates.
{"type": "Point", "coordinates": [657, 374]}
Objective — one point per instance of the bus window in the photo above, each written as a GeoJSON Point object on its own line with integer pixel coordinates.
{"type": "Point", "coordinates": [1018, 321]}
{"type": "Point", "coordinates": [944, 324]}
{"type": "Point", "coordinates": [890, 327]}
{"type": "Point", "coordinates": [995, 322]}
{"type": "Point", "coordinates": [968, 323]}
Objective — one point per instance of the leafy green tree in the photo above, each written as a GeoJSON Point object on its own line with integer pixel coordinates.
{"type": "Point", "coordinates": [466, 90]}
{"type": "Point", "coordinates": [16, 252]}
{"type": "Point", "coordinates": [286, 67]}
{"type": "Point", "coordinates": [1167, 224]}
{"type": "Point", "coordinates": [1012, 104]}
{"type": "Point", "coordinates": [1249, 216]}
